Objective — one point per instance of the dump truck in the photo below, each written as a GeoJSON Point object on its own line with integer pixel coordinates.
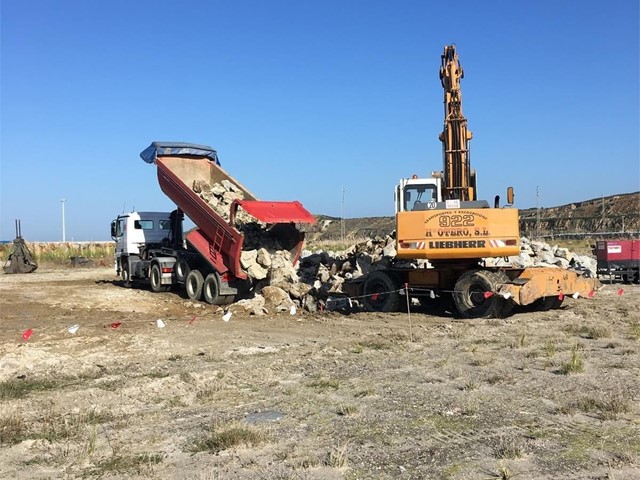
{"type": "Point", "coordinates": [441, 221]}
{"type": "Point", "coordinates": [206, 261]}
{"type": "Point", "coordinates": [618, 259]}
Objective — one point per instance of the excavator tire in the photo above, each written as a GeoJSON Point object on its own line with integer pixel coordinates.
{"type": "Point", "coordinates": [381, 292]}
{"type": "Point", "coordinates": [470, 299]}
{"type": "Point", "coordinates": [193, 285]}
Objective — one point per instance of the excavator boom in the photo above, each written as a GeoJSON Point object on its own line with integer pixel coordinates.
{"type": "Point", "coordinates": [459, 180]}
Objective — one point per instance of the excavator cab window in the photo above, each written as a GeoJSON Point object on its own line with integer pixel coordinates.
{"type": "Point", "coordinates": [416, 197]}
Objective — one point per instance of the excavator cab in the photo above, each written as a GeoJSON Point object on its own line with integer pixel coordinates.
{"type": "Point", "coordinates": [415, 194]}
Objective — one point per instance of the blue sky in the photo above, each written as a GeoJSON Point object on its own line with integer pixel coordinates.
{"type": "Point", "coordinates": [303, 99]}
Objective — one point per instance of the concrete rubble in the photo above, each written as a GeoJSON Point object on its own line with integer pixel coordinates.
{"type": "Point", "coordinates": [540, 254]}
{"type": "Point", "coordinates": [318, 280]}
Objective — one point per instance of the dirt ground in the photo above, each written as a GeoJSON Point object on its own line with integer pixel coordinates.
{"type": "Point", "coordinates": [539, 395]}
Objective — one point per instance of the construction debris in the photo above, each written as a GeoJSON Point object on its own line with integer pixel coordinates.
{"type": "Point", "coordinates": [321, 277]}
{"type": "Point", "coordinates": [263, 256]}
{"type": "Point", "coordinates": [535, 253]}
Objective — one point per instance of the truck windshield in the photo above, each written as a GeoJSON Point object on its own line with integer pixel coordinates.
{"type": "Point", "coordinates": [416, 197]}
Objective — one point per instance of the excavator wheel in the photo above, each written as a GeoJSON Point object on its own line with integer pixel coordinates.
{"type": "Point", "coordinates": [474, 295]}
{"type": "Point", "coordinates": [381, 292]}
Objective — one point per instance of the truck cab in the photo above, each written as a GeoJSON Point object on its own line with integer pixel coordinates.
{"type": "Point", "coordinates": [135, 230]}
{"type": "Point", "coordinates": [136, 235]}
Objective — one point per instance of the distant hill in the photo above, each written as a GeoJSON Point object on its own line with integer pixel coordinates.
{"type": "Point", "coordinates": [613, 215]}
{"type": "Point", "coordinates": [604, 215]}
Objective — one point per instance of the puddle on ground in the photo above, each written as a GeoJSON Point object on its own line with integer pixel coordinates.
{"type": "Point", "coordinates": [268, 416]}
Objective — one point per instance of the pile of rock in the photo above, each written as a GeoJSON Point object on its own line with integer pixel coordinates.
{"type": "Point", "coordinates": [220, 196]}
{"type": "Point", "coordinates": [320, 275]}
{"type": "Point", "coordinates": [262, 256]}
{"type": "Point", "coordinates": [535, 253]}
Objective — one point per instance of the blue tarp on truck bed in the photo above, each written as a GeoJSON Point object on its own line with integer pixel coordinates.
{"type": "Point", "coordinates": [159, 149]}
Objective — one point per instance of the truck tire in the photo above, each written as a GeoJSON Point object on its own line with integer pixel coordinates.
{"type": "Point", "coordinates": [126, 274]}
{"type": "Point", "coordinates": [381, 292]}
{"type": "Point", "coordinates": [469, 295]}
{"type": "Point", "coordinates": [182, 270]}
{"type": "Point", "coordinates": [211, 289]}
{"type": "Point", "coordinates": [193, 285]}
{"type": "Point", "coordinates": [155, 276]}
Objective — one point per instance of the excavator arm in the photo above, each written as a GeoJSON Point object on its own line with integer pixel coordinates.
{"type": "Point", "coordinates": [459, 180]}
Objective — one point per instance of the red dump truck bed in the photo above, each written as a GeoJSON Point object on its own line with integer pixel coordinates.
{"type": "Point", "coordinates": [217, 240]}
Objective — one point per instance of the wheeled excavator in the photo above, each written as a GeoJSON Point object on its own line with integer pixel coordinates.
{"type": "Point", "coordinates": [440, 219]}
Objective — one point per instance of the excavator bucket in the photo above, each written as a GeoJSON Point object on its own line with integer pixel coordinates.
{"type": "Point", "coordinates": [20, 259]}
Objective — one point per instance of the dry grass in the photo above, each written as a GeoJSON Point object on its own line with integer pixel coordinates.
{"type": "Point", "coordinates": [502, 473]}
{"type": "Point", "coordinates": [14, 389]}
{"type": "Point", "coordinates": [346, 409]}
{"type": "Point", "coordinates": [60, 253]}
{"type": "Point", "coordinates": [325, 384]}
{"type": "Point", "coordinates": [224, 437]}
{"type": "Point", "coordinates": [509, 447]}
{"type": "Point", "coordinates": [338, 457]}
{"type": "Point", "coordinates": [12, 430]}
{"type": "Point", "coordinates": [141, 464]}
{"type": "Point", "coordinates": [575, 363]}
{"type": "Point", "coordinates": [607, 406]}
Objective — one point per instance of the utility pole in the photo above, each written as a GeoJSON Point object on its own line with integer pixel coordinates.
{"type": "Point", "coordinates": [63, 224]}
{"type": "Point", "coordinates": [538, 212]}
{"type": "Point", "coordinates": [342, 228]}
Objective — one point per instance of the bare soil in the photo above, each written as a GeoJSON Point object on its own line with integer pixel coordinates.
{"type": "Point", "coordinates": [540, 395]}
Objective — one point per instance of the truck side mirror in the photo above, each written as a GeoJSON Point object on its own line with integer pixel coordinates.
{"type": "Point", "coordinates": [113, 229]}
{"type": "Point", "coordinates": [510, 195]}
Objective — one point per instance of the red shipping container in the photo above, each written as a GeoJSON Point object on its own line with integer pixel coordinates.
{"type": "Point", "coordinates": [619, 258]}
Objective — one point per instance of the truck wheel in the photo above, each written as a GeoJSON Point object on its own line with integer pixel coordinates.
{"type": "Point", "coordinates": [210, 289]}
{"type": "Point", "coordinates": [469, 295]}
{"type": "Point", "coordinates": [381, 292]}
{"type": "Point", "coordinates": [182, 270]}
{"type": "Point", "coordinates": [126, 275]}
{"type": "Point", "coordinates": [156, 279]}
{"type": "Point", "coordinates": [193, 285]}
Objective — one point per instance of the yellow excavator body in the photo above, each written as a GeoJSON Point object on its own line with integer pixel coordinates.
{"type": "Point", "coordinates": [453, 234]}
